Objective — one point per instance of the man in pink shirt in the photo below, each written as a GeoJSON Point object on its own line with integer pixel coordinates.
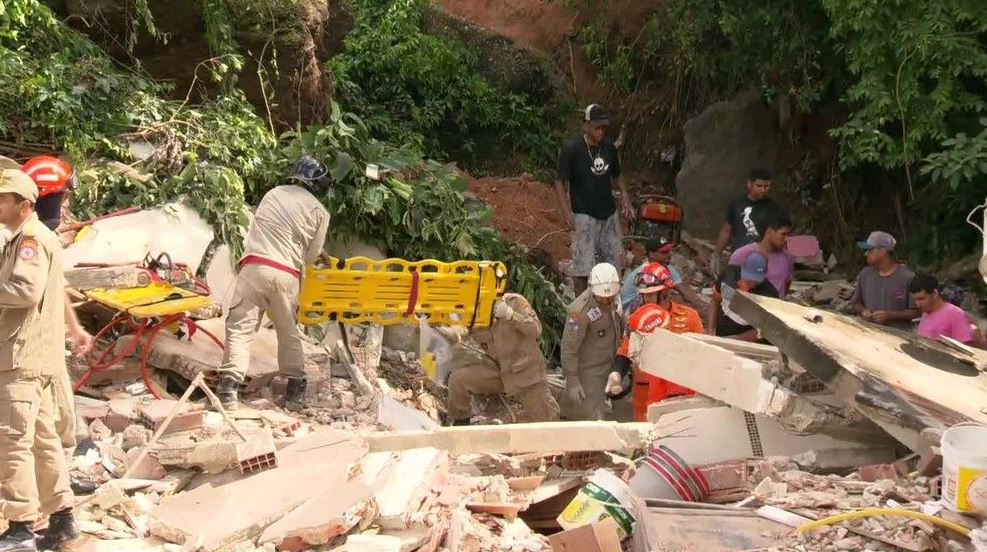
{"type": "Point", "coordinates": [774, 228]}
{"type": "Point", "coordinates": [941, 318]}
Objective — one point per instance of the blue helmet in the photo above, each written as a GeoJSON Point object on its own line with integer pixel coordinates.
{"type": "Point", "coordinates": [310, 173]}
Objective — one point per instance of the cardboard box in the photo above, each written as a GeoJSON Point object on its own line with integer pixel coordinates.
{"type": "Point", "coordinates": [595, 537]}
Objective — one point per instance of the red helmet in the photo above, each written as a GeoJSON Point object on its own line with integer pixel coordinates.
{"type": "Point", "coordinates": [52, 175]}
{"type": "Point", "coordinates": [653, 278]}
{"type": "Point", "coordinates": [648, 318]}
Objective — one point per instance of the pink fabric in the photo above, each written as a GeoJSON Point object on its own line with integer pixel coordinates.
{"type": "Point", "coordinates": [949, 321]}
{"type": "Point", "coordinates": [802, 246]}
{"type": "Point", "coordinates": [780, 266]}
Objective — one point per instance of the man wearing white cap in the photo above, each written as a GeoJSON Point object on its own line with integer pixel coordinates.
{"type": "Point", "coordinates": [589, 343]}
{"type": "Point", "coordinates": [881, 295]}
{"type": "Point", "coordinates": [33, 468]}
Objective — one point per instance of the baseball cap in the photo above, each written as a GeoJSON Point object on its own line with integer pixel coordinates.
{"type": "Point", "coordinates": [755, 268]}
{"type": "Point", "coordinates": [596, 115]}
{"type": "Point", "coordinates": [660, 244]}
{"type": "Point", "coordinates": [16, 181]}
{"type": "Point", "coordinates": [878, 239]}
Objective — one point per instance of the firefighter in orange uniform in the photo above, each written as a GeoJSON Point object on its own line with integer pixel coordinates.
{"type": "Point", "coordinates": [657, 311]}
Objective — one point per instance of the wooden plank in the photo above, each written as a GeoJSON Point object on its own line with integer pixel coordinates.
{"type": "Point", "coordinates": [110, 277]}
{"type": "Point", "coordinates": [519, 438]}
{"type": "Point", "coordinates": [903, 383]}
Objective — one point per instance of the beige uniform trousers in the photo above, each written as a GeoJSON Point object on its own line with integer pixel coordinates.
{"type": "Point", "coordinates": [261, 289]}
{"type": "Point", "coordinates": [484, 378]}
{"type": "Point", "coordinates": [66, 422]}
{"type": "Point", "coordinates": [33, 469]}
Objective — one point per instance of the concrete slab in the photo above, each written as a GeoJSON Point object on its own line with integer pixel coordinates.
{"type": "Point", "coordinates": [901, 382]}
{"type": "Point", "coordinates": [174, 229]}
{"type": "Point", "coordinates": [309, 496]}
{"type": "Point", "coordinates": [717, 372]}
{"type": "Point", "coordinates": [518, 438]}
{"type": "Point", "coordinates": [709, 435]}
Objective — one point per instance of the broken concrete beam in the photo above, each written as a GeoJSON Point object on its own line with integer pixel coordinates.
{"type": "Point", "coordinates": [519, 438]}
{"type": "Point", "coordinates": [900, 381]}
{"type": "Point", "coordinates": [718, 434]}
{"type": "Point", "coordinates": [404, 484]}
{"type": "Point", "coordinates": [739, 381]}
{"type": "Point", "coordinates": [107, 278]}
{"type": "Point", "coordinates": [307, 498]}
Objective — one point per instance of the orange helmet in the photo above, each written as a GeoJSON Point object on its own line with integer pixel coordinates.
{"type": "Point", "coordinates": [648, 318]}
{"type": "Point", "coordinates": [653, 278]}
{"type": "Point", "coordinates": [52, 175]}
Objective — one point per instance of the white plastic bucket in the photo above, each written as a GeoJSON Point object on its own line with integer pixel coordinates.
{"type": "Point", "coordinates": [664, 474]}
{"type": "Point", "coordinates": [604, 496]}
{"type": "Point", "coordinates": [964, 468]}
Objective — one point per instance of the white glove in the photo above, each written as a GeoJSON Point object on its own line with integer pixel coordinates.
{"type": "Point", "coordinates": [576, 392]}
{"type": "Point", "coordinates": [502, 311]}
{"type": "Point", "coordinates": [613, 384]}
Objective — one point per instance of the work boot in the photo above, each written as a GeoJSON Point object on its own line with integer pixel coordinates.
{"type": "Point", "coordinates": [82, 486]}
{"type": "Point", "coordinates": [294, 393]}
{"type": "Point", "coordinates": [227, 391]}
{"type": "Point", "coordinates": [18, 538]}
{"type": "Point", "coordinates": [61, 530]}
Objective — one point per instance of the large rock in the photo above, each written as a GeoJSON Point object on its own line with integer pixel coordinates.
{"type": "Point", "coordinates": [722, 145]}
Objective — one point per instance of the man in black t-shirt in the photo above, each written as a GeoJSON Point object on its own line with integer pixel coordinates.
{"type": "Point", "coordinates": [739, 229]}
{"type": "Point", "coordinates": [589, 170]}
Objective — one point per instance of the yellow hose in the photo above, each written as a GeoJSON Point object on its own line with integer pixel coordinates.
{"type": "Point", "coordinates": [870, 512]}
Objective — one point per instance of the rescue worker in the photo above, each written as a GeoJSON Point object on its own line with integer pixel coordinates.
{"type": "Point", "coordinates": [55, 179]}
{"type": "Point", "coordinates": [655, 285]}
{"type": "Point", "coordinates": [589, 342]}
{"type": "Point", "coordinates": [33, 468]}
{"type": "Point", "coordinates": [288, 232]}
{"type": "Point", "coordinates": [508, 361]}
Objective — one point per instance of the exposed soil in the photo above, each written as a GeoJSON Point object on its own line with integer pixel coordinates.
{"type": "Point", "coordinates": [524, 210]}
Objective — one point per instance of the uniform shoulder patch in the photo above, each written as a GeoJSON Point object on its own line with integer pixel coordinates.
{"type": "Point", "coordinates": [28, 249]}
{"type": "Point", "coordinates": [575, 319]}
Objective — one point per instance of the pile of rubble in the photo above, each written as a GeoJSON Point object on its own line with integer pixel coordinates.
{"type": "Point", "coordinates": [841, 418]}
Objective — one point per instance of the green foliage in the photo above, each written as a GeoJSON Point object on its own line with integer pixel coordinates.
{"type": "Point", "coordinates": [417, 89]}
{"type": "Point", "coordinates": [419, 210]}
{"type": "Point", "coordinates": [920, 66]}
{"type": "Point", "coordinates": [226, 61]}
{"type": "Point", "coordinates": [219, 155]}
{"type": "Point", "coordinates": [712, 50]}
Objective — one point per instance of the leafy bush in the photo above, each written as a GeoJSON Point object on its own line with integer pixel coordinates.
{"type": "Point", "coordinates": [417, 89]}
{"type": "Point", "coordinates": [220, 156]}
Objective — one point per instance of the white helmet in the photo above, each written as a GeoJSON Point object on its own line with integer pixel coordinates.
{"type": "Point", "coordinates": [604, 280]}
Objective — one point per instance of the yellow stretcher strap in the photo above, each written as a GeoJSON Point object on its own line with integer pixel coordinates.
{"type": "Point", "coordinates": [155, 299]}
{"type": "Point", "coordinates": [395, 291]}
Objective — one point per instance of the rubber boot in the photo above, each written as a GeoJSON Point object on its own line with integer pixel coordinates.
{"type": "Point", "coordinates": [227, 391]}
{"type": "Point", "coordinates": [61, 530]}
{"type": "Point", "coordinates": [294, 393]}
{"type": "Point", "coordinates": [18, 538]}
